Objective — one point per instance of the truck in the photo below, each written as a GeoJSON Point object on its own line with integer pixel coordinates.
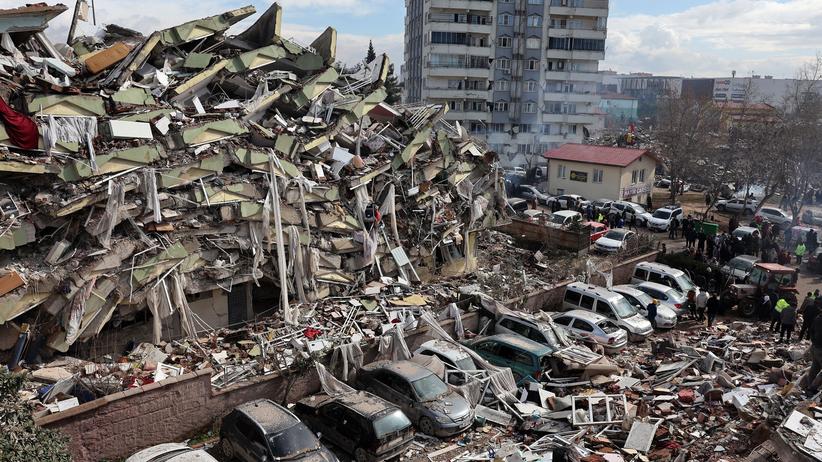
{"type": "Point", "coordinates": [765, 278]}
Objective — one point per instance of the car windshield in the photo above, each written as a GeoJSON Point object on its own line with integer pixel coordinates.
{"type": "Point", "coordinates": [742, 264]}
{"type": "Point", "coordinates": [429, 388]}
{"type": "Point", "coordinates": [662, 214]}
{"type": "Point", "coordinates": [558, 219]}
{"type": "Point", "coordinates": [394, 422]}
{"type": "Point", "coordinates": [292, 442]}
{"type": "Point", "coordinates": [684, 282]}
{"type": "Point", "coordinates": [643, 298]}
{"type": "Point", "coordinates": [623, 308]}
{"type": "Point", "coordinates": [466, 364]}
{"type": "Point", "coordinates": [615, 235]}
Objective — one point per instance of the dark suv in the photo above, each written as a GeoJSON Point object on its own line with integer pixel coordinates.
{"type": "Point", "coordinates": [361, 424]}
{"type": "Point", "coordinates": [264, 431]}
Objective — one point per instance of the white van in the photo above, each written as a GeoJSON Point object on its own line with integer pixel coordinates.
{"type": "Point", "coordinates": [579, 296]}
{"type": "Point", "coordinates": [665, 275]}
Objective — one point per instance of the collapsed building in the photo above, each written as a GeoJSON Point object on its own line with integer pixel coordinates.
{"type": "Point", "coordinates": [156, 187]}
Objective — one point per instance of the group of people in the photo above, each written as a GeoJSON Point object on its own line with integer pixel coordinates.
{"type": "Point", "coordinates": [784, 314]}
{"type": "Point", "coordinates": [612, 219]}
{"type": "Point", "coordinates": [703, 306]}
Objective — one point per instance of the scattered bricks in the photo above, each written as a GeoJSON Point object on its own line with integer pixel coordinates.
{"type": "Point", "coordinates": [686, 396]}
{"type": "Point", "coordinates": [757, 356]}
{"type": "Point", "coordinates": [779, 376]}
{"type": "Point", "coordinates": [714, 394]}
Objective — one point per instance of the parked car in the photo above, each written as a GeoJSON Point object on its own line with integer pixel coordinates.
{"type": "Point", "coordinates": [663, 274]}
{"type": "Point", "coordinates": [517, 205]}
{"type": "Point", "coordinates": [801, 233]}
{"type": "Point", "coordinates": [665, 294]}
{"type": "Point", "coordinates": [739, 267]}
{"type": "Point", "coordinates": [591, 328]}
{"type": "Point", "coordinates": [564, 200]}
{"type": "Point", "coordinates": [809, 217]}
{"type": "Point", "coordinates": [171, 452]}
{"type": "Point", "coordinates": [615, 240]}
{"type": "Point", "coordinates": [601, 206]}
{"type": "Point", "coordinates": [609, 304]}
{"type": "Point", "coordinates": [363, 425]}
{"type": "Point", "coordinates": [565, 218]}
{"type": "Point", "coordinates": [263, 430]}
{"type": "Point", "coordinates": [453, 356]}
{"type": "Point", "coordinates": [529, 192]}
{"type": "Point", "coordinates": [631, 209]}
{"type": "Point", "coordinates": [527, 359]}
{"type": "Point", "coordinates": [662, 217]}
{"type": "Point", "coordinates": [737, 206]}
{"type": "Point", "coordinates": [534, 215]}
{"type": "Point", "coordinates": [666, 316]}
{"type": "Point", "coordinates": [422, 396]}
{"type": "Point", "coordinates": [775, 216]}
{"type": "Point", "coordinates": [744, 231]}
{"type": "Point", "coordinates": [597, 230]}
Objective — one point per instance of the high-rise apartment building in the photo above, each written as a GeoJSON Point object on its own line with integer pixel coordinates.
{"type": "Point", "coordinates": [523, 74]}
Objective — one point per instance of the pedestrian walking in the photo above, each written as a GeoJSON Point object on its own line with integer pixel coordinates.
{"type": "Point", "coordinates": [713, 308]}
{"type": "Point", "coordinates": [701, 304]}
{"type": "Point", "coordinates": [691, 303]}
{"type": "Point", "coordinates": [809, 310]}
{"type": "Point", "coordinates": [788, 320]}
{"type": "Point", "coordinates": [767, 305]}
{"type": "Point", "coordinates": [672, 230]}
{"type": "Point", "coordinates": [701, 238]}
{"type": "Point", "coordinates": [652, 308]}
{"type": "Point", "coordinates": [800, 252]}
{"type": "Point", "coordinates": [633, 222]}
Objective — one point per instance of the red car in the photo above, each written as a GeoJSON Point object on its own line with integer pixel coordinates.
{"type": "Point", "coordinates": [597, 230]}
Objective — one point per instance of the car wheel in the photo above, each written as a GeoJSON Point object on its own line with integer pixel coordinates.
{"type": "Point", "coordinates": [747, 308]}
{"type": "Point", "coordinates": [227, 449]}
{"type": "Point", "coordinates": [361, 456]}
{"type": "Point", "coordinates": [721, 208]}
{"type": "Point", "coordinates": [426, 426]}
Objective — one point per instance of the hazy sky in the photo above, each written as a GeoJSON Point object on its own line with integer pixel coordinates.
{"type": "Point", "coordinates": [707, 38]}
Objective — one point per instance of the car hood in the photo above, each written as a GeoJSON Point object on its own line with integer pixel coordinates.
{"type": "Point", "coordinates": [665, 312]}
{"type": "Point", "coordinates": [637, 323]}
{"type": "Point", "coordinates": [611, 243]}
{"type": "Point", "coordinates": [320, 455]}
{"type": "Point", "coordinates": [645, 216]}
{"type": "Point", "coordinates": [659, 221]}
{"type": "Point", "coordinates": [451, 405]}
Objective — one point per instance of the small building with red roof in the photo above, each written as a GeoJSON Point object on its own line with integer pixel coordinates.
{"type": "Point", "coordinates": [601, 172]}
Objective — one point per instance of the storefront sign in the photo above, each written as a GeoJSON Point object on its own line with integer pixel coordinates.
{"type": "Point", "coordinates": [579, 176]}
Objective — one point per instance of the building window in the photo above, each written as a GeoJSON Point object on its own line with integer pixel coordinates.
{"type": "Point", "coordinates": [455, 84]}
{"type": "Point", "coordinates": [546, 129]}
{"type": "Point", "coordinates": [504, 42]}
{"type": "Point", "coordinates": [562, 171]}
{"type": "Point", "coordinates": [634, 176]}
{"type": "Point", "coordinates": [475, 106]}
{"type": "Point", "coordinates": [455, 105]}
{"type": "Point", "coordinates": [501, 106]}
{"type": "Point", "coordinates": [449, 38]}
{"type": "Point", "coordinates": [526, 128]}
{"type": "Point", "coordinates": [503, 63]}
{"type": "Point", "coordinates": [525, 149]}
{"type": "Point", "coordinates": [505, 19]}
{"type": "Point", "coordinates": [535, 20]}
{"type": "Point", "coordinates": [531, 86]}
{"type": "Point", "coordinates": [496, 128]}
{"type": "Point", "coordinates": [502, 85]}
{"type": "Point", "coordinates": [574, 129]}
{"type": "Point", "coordinates": [529, 107]}
{"type": "Point", "coordinates": [533, 64]}
{"type": "Point", "coordinates": [477, 127]}
{"type": "Point", "coordinates": [535, 2]}
{"type": "Point", "coordinates": [533, 43]}
{"type": "Point", "coordinates": [597, 176]}
{"type": "Point", "coordinates": [642, 176]}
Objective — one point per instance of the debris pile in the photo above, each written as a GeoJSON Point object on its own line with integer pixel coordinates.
{"type": "Point", "coordinates": [140, 173]}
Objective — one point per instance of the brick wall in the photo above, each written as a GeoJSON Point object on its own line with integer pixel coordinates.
{"type": "Point", "coordinates": [550, 299]}
{"type": "Point", "coordinates": [178, 408]}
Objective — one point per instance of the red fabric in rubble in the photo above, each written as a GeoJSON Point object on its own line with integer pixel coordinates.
{"type": "Point", "coordinates": [21, 129]}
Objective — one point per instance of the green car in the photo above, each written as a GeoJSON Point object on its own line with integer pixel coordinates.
{"type": "Point", "coordinates": [527, 359]}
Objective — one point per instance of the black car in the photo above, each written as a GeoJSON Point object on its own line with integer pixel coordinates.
{"type": "Point", "coordinates": [264, 431]}
{"type": "Point", "coordinates": [361, 424]}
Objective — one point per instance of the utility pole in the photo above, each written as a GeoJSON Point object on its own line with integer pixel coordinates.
{"type": "Point", "coordinates": [74, 20]}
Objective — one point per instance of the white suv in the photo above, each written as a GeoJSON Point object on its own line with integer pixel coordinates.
{"type": "Point", "coordinates": [631, 209]}
{"type": "Point", "coordinates": [662, 217]}
{"type": "Point", "coordinates": [776, 216]}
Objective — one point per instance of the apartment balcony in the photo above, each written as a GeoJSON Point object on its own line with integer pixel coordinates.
{"type": "Point", "coordinates": [575, 54]}
{"type": "Point", "coordinates": [597, 34]}
{"type": "Point", "coordinates": [444, 26]}
{"type": "Point", "coordinates": [592, 8]}
{"type": "Point", "coordinates": [468, 116]}
{"type": "Point", "coordinates": [465, 5]}
{"type": "Point", "coordinates": [571, 97]}
{"type": "Point", "coordinates": [562, 138]}
{"type": "Point", "coordinates": [584, 119]}
{"type": "Point", "coordinates": [438, 48]}
{"type": "Point", "coordinates": [451, 94]}
{"type": "Point", "coordinates": [459, 72]}
{"type": "Point", "coordinates": [573, 76]}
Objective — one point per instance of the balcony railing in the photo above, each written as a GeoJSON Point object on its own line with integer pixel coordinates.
{"type": "Point", "coordinates": [593, 4]}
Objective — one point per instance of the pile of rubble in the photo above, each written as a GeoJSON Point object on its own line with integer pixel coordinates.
{"type": "Point", "coordinates": [137, 172]}
{"type": "Point", "coordinates": [696, 394]}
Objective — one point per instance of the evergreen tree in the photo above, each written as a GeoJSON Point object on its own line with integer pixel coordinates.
{"type": "Point", "coordinates": [371, 55]}
{"type": "Point", "coordinates": [23, 440]}
{"type": "Point", "coordinates": [392, 87]}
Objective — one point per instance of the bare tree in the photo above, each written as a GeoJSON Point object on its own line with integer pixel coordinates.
{"type": "Point", "coordinates": [686, 135]}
